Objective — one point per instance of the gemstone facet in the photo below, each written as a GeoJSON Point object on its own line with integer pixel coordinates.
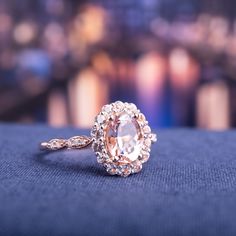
{"type": "Point", "coordinates": [123, 137]}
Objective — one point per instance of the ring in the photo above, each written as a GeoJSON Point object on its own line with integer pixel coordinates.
{"type": "Point", "coordinates": [120, 137]}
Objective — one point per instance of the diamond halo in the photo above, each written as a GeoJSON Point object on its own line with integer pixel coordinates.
{"type": "Point", "coordinates": [121, 138]}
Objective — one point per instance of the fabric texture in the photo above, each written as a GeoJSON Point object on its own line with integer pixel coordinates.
{"type": "Point", "coordinates": [188, 187]}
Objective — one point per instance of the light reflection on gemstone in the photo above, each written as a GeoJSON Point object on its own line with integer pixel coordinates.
{"type": "Point", "coordinates": [123, 137]}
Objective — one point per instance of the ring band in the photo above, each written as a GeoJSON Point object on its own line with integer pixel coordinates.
{"type": "Point", "coordinates": [120, 137]}
{"type": "Point", "coordinates": [75, 142]}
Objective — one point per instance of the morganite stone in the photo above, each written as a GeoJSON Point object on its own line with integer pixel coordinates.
{"type": "Point", "coordinates": [124, 138]}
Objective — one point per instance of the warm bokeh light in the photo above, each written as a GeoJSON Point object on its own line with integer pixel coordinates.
{"type": "Point", "coordinates": [213, 106]}
{"type": "Point", "coordinates": [25, 32]}
{"type": "Point", "coordinates": [5, 23]}
{"type": "Point", "coordinates": [184, 74]}
{"type": "Point", "coordinates": [55, 41]}
{"type": "Point", "coordinates": [57, 109]}
{"type": "Point", "coordinates": [184, 71]}
{"type": "Point", "coordinates": [88, 94]}
{"type": "Point", "coordinates": [64, 59]}
{"type": "Point", "coordinates": [151, 72]}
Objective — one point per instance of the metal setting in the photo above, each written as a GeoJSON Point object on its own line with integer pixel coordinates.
{"type": "Point", "coordinates": [76, 142]}
{"type": "Point", "coordinates": [120, 137]}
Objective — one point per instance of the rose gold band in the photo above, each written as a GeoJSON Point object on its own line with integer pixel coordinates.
{"type": "Point", "coordinates": [76, 142]}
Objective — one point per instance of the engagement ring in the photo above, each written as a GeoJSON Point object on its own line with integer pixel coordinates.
{"type": "Point", "coordinates": [120, 137]}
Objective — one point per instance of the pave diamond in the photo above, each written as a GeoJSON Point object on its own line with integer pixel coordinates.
{"type": "Point", "coordinates": [78, 142]}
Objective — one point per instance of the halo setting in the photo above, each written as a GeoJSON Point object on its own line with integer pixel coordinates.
{"type": "Point", "coordinates": [121, 138]}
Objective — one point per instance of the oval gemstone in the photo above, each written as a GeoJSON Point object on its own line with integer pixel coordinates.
{"type": "Point", "coordinates": [124, 138]}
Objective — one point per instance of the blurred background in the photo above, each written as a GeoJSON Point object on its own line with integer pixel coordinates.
{"type": "Point", "coordinates": [61, 60]}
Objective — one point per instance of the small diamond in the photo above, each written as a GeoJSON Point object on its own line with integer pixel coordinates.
{"type": "Point", "coordinates": [99, 158]}
{"type": "Point", "coordinates": [153, 138]}
{"type": "Point", "coordinates": [126, 171]}
{"type": "Point", "coordinates": [141, 117]}
{"type": "Point", "coordinates": [100, 119]}
{"type": "Point", "coordinates": [107, 108]}
{"type": "Point", "coordinates": [148, 142]}
{"type": "Point", "coordinates": [55, 144]}
{"type": "Point", "coordinates": [111, 171]}
{"type": "Point", "coordinates": [146, 129]}
{"type": "Point", "coordinates": [78, 142]}
{"type": "Point", "coordinates": [145, 157]}
{"type": "Point", "coordinates": [118, 106]}
{"type": "Point", "coordinates": [132, 107]}
{"type": "Point", "coordinates": [137, 167]}
{"type": "Point", "coordinates": [94, 131]}
{"type": "Point", "coordinates": [100, 133]}
{"type": "Point", "coordinates": [95, 146]}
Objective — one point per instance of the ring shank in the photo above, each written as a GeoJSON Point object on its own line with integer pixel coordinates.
{"type": "Point", "coordinates": [75, 142]}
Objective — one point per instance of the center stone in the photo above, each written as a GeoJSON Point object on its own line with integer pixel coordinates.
{"type": "Point", "coordinates": [124, 138]}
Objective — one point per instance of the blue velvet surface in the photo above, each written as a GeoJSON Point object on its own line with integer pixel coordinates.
{"type": "Point", "coordinates": [187, 188]}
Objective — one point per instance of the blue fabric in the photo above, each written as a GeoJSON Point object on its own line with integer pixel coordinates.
{"type": "Point", "coordinates": [187, 188]}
